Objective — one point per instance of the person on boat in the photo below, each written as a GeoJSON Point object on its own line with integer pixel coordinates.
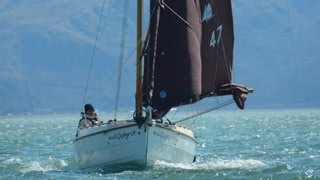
{"type": "Point", "coordinates": [89, 117]}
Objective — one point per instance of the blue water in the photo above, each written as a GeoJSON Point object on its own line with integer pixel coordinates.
{"type": "Point", "coordinates": [250, 144]}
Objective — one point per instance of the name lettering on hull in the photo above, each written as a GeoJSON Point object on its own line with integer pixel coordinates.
{"type": "Point", "coordinates": [165, 136]}
{"type": "Point", "coordinates": [124, 135]}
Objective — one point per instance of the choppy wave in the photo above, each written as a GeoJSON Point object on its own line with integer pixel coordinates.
{"type": "Point", "coordinates": [25, 166]}
{"type": "Point", "coordinates": [216, 165]}
{"type": "Point", "coordinates": [267, 145]}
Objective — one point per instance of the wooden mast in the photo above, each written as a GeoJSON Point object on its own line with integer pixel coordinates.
{"type": "Point", "coordinates": [139, 62]}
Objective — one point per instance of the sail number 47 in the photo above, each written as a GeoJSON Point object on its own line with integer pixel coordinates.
{"type": "Point", "coordinates": [213, 40]}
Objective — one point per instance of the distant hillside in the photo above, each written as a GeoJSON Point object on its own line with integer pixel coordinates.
{"type": "Point", "coordinates": [46, 49]}
{"type": "Point", "coordinates": [277, 52]}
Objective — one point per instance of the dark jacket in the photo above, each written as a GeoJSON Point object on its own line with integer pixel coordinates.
{"type": "Point", "coordinates": [88, 121]}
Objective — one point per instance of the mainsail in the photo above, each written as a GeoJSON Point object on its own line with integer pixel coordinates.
{"type": "Point", "coordinates": [189, 54]}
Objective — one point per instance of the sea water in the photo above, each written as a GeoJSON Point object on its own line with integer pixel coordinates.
{"type": "Point", "coordinates": [250, 144]}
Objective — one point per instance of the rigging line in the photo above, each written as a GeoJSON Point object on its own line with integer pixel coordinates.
{"type": "Point", "coordinates": [140, 40]}
{"type": "Point", "coordinates": [63, 21]}
{"type": "Point", "coordinates": [207, 110]}
{"type": "Point", "coordinates": [192, 110]}
{"type": "Point", "coordinates": [93, 53]}
{"type": "Point", "coordinates": [175, 13]}
{"type": "Point", "coordinates": [147, 35]}
{"type": "Point", "coordinates": [223, 50]}
{"type": "Point", "coordinates": [231, 74]}
{"type": "Point", "coordinates": [226, 60]}
{"type": "Point", "coordinates": [121, 61]}
{"type": "Point", "coordinates": [133, 50]}
{"type": "Point", "coordinates": [123, 36]}
{"type": "Point", "coordinates": [195, 120]}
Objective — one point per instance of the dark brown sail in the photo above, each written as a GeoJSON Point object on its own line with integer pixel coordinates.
{"type": "Point", "coordinates": [189, 54]}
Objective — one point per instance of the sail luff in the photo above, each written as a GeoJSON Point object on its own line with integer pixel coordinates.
{"type": "Point", "coordinates": [151, 53]}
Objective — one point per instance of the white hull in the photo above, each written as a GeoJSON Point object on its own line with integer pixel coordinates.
{"type": "Point", "coordinates": [124, 141]}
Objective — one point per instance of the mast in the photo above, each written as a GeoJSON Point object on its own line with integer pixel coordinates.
{"type": "Point", "coordinates": [138, 60]}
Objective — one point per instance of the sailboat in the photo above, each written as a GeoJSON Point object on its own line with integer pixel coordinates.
{"type": "Point", "coordinates": [187, 56]}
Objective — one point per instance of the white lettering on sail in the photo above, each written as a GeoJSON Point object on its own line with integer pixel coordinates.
{"type": "Point", "coordinates": [219, 29]}
{"type": "Point", "coordinates": [213, 40]}
{"type": "Point", "coordinates": [207, 13]}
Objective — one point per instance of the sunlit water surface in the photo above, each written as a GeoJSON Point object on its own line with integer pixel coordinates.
{"type": "Point", "coordinates": [252, 144]}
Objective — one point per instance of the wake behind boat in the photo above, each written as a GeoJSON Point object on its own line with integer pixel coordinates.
{"type": "Point", "coordinates": [188, 56]}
